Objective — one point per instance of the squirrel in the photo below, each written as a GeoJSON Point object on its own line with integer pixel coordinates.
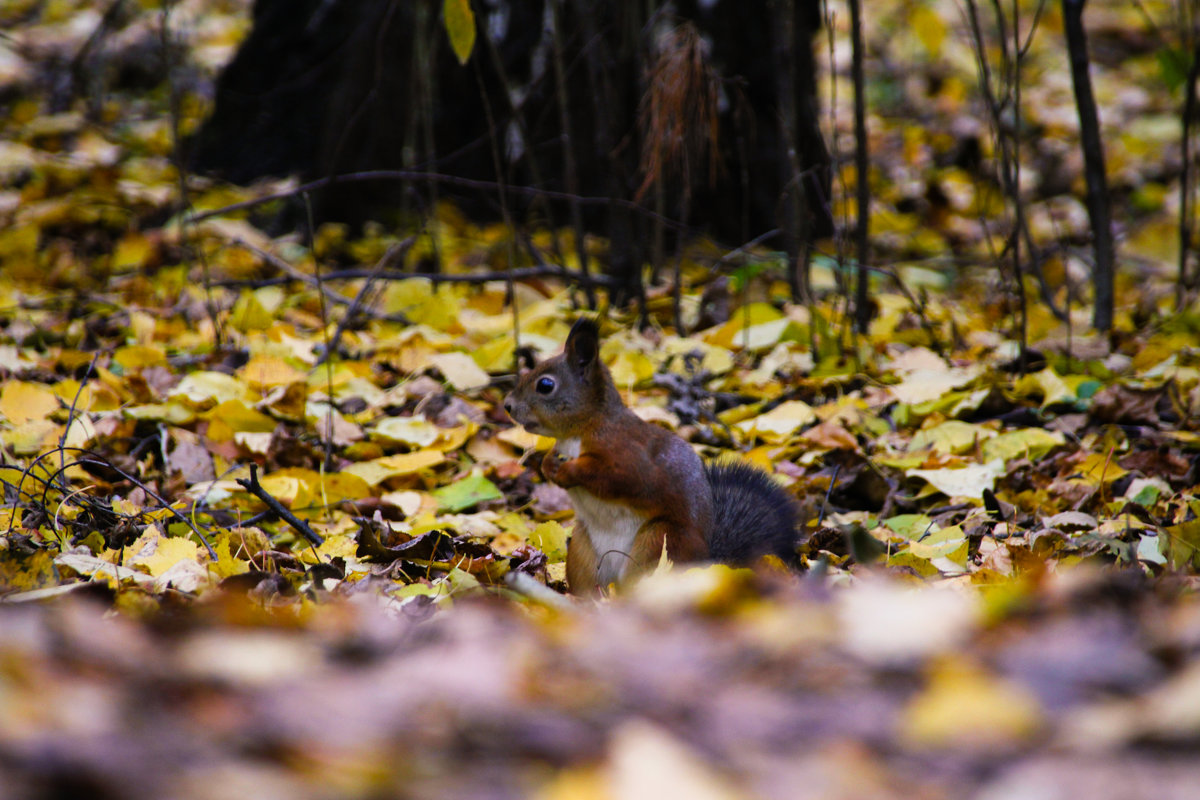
{"type": "Point", "coordinates": [637, 487]}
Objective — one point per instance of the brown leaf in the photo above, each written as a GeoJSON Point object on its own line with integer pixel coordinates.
{"type": "Point", "coordinates": [1122, 404]}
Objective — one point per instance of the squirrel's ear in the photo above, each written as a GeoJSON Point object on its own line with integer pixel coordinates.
{"type": "Point", "coordinates": [583, 343]}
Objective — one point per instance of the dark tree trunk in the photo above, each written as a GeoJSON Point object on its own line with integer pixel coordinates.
{"type": "Point", "coordinates": [1099, 211]}
{"type": "Point", "coordinates": [330, 87]}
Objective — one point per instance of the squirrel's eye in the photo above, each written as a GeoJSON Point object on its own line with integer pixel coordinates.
{"type": "Point", "coordinates": [544, 385]}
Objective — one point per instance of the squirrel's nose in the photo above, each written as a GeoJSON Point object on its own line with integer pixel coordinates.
{"type": "Point", "coordinates": [508, 406]}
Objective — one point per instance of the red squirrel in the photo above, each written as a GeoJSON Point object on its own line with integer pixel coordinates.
{"type": "Point", "coordinates": [637, 487]}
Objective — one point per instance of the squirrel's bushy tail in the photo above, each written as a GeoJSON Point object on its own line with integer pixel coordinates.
{"type": "Point", "coordinates": [752, 515]}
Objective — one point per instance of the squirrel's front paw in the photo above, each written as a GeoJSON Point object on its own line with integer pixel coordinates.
{"type": "Point", "coordinates": [552, 467]}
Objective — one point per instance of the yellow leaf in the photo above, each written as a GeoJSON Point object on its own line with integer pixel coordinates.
{"type": "Point", "coordinates": [132, 252]}
{"type": "Point", "coordinates": [331, 488]}
{"type": "Point", "coordinates": [205, 387]}
{"type": "Point", "coordinates": [235, 416]}
{"type": "Point", "coordinates": [19, 252]}
{"type": "Point", "coordinates": [969, 481]}
{"type": "Point", "coordinates": [31, 437]}
{"type": "Point", "coordinates": [249, 314]}
{"type": "Point", "coordinates": [79, 432]}
{"type": "Point", "coordinates": [10, 518]}
{"type": "Point", "coordinates": [454, 438]}
{"type": "Point", "coordinates": [729, 335]}
{"type": "Point", "coordinates": [161, 553]}
{"type": "Point", "coordinates": [138, 356]}
{"type": "Point", "coordinates": [86, 564]}
{"type": "Point", "coordinates": [1098, 467]}
{"type": "Point", "coordinates": [952, 436]}
{"type": "Point", "coordinates": [524, 440]}
{"type": "Point", "coordinates": [416, 431]}
{"type": "Point", "coordinates": [265, 372]}
{"type": "Point", "coordinates": [293, 492]}
{"type": "Point", "coordinates": [171, 413]}
{"type": "Point", "coordinates": [780, 422]}
{"type": "Point", "coordinates": [1048, 384]}
{"type": "Point", "coordinates": [460, 27]}
{"type": "Point", "coordinates": [551, 539]}
{"type": "Point", "coordinates": [1030, 442]}
{"type": "Point", "coordinates": [629, 367]}
{"type": "Point", "coordinates": [925, 384]}
{"type": "Point", "coordinates": [714, 359]}
{"type": "Point", "coordinates": [495, 355]}
{"type": "Point", "coordinates": [423, 303]}
{"type": "Point", "coordinates": [336, 546]}
{"type": "Point", "coordinates": [929, 28]}
{"type": "Point", "coordinates": [917, 563]}
{"type": "Point", "coordinates": [460, 371]}
{"type": "Point", "coordinates": [963, 706]}
{"type": "Point", "coordinates": [22, 401]}
{"type": "Point", "coordinates": [254, 442]}
{"type": "Point", "coordinates": [378, 470]}
{"type": "Point", "coordinates": [227, 564]}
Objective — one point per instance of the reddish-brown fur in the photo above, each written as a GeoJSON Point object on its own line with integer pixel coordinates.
{"type": "Point", "coordinates": [636, 487]}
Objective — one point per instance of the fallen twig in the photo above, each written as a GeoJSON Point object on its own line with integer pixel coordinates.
{"type": "Point", "coordinates": [255, 488]}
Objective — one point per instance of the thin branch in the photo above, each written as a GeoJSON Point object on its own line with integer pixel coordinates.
{"type": "Point", "coordinates": [449, 180]}
{"type": "Point", "coordinates": [520, 274]}
{"type": "Point", "coordinates": [300, 526]}
{"type": "Point", "coordinates": [394, 253]}
{"type": "Point", "coordinates": [291, 271]}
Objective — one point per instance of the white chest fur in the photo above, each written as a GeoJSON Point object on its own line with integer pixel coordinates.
{"type": "Point", "coordinates": [611, 526]}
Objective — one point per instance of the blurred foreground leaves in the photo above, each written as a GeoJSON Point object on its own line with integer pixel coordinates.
{"type": "Point", "coordinates": [711, 682]}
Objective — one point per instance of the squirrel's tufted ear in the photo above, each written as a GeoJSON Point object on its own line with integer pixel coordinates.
{"type": "Point", "coordinates": [583, 343]}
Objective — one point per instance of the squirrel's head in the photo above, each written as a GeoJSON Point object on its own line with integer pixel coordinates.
{"type": "Point", "coordinates": [563, 395]}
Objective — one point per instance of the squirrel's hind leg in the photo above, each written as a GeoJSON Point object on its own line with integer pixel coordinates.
{"type": "Point", "coordinates": [682, 546]}
{"type": "Point", "coordinates": [582, 564]}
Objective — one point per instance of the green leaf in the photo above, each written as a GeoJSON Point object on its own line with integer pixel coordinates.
{"type": "Point", "coordinates": [469, 491]}
{"type": "Point", "coordinates": [1173, 65]}
{"type": "Point", "coordinates": [1181, 544]}
{"type": "Point", "coordinates": [460, 27]}
{"type": "Point", "coordinates": [910, 526]}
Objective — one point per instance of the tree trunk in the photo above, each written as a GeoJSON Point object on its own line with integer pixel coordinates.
{"type": "Point", "coordinates": [1099, 211]}
{"type": "Point", "coordinates": [322, 88]}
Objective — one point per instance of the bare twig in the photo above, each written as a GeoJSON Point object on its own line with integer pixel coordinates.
{"type": "Point", "coordinates": [300, 526]}
{"type": "Point", "coordinates": [394, 253]}
{"type": "Point", "coordinates": [520, 274]}
{"type": "Point", "coordinates": [919, 308]}
{"type": "Point", "coordinates": [449, 180]}
{"type": "Point", "coordinates": [295, 274]}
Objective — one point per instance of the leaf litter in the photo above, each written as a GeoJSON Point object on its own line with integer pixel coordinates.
{"type": "Point", "coordinates": [999, 598]}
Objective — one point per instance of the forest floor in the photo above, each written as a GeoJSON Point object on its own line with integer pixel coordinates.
{"type": "Point", "coordinates": [999, 566]}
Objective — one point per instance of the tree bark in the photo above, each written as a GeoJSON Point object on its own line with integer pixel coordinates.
{"type": "Point", "coordinates": [322, 88]}
{"type": "Point", "coordinates": [1099, 210]}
